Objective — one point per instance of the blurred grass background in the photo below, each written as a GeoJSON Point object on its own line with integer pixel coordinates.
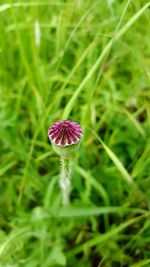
{"type": "Point", "coordinates": [88, 61]}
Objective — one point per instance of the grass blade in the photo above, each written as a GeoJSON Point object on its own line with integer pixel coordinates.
{"type": "Point", "coordinates": [116, 161]}
{"type": "Point", "coordinates": [104, 237]}
{"type": "Point", "coordinates": [107, 48]}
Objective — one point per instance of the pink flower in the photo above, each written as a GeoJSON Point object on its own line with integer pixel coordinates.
{"type": "Point", "coordinates": [65, 133]}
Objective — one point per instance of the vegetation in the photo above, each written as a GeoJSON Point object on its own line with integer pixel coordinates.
{"type": "Point", "coordinates": [87, 61]}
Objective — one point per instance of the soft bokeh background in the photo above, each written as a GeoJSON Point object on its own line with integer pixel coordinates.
{"type": "Point", "coordinates": [87, 61]}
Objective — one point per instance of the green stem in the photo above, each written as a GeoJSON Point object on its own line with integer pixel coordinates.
{"type": "Point", "coordinates": [65, 180]}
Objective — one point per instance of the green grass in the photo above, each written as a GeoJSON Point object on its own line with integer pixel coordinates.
{"type": "Point", "coordinates": [91, 66]}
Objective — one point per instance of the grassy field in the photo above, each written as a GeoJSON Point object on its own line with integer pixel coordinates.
{"type": "Point", "coordinates": [88, 61]}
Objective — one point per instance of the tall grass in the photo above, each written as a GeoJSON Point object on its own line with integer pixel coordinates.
{"type": "Point", "coordinates": [87, 61]}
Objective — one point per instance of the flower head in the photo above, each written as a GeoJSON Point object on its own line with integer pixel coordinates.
{"type": "Point", "coordinates": [65, 135]}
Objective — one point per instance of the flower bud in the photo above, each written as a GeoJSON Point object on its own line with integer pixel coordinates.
{"type": "Point", "coordinates": [65, 137]}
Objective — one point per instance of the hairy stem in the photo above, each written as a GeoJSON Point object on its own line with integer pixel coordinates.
{"type": "Point", "coordinates": [65, 180]}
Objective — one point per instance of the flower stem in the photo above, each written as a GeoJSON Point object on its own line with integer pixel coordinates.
{"type": "Point", "coordinates": [65, 180]}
